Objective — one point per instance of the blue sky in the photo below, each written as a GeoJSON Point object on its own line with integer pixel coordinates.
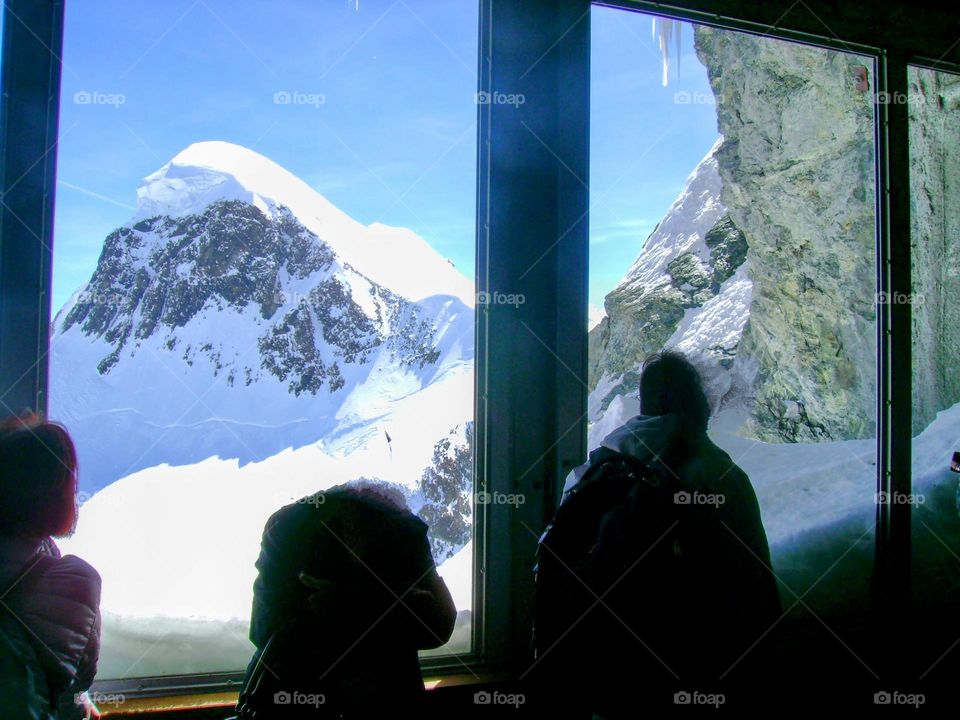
{"type": "Point", "coordinates": [394, 140]}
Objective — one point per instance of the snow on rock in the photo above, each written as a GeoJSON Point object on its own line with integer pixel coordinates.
{"type": "Point", "coordinates": [719, 322]}
{"type": "Point", "coordinates": [688, 289]}
{"type": "Point", "coordinates": [684, 227]}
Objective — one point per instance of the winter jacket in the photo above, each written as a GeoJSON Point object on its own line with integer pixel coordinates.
{"type": "Point", "coordinates": [359, 650]}
{"type": "Point", "coordinates": [55, 627]}
{"type": "Point", "coordinates": [743, 603]}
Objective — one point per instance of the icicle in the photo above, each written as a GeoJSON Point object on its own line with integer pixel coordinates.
{"type": "Point", "coordinates": [663, 37]}
{"type": "Point", "coordinates": [677, 27]}
{"type": "Point", "coordinates": [663, 29]}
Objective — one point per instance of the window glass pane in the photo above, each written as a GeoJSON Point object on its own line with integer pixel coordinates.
{"type": "Point", "coordinates": [264, 274]}
{"type": "Point", "coordinates": [935, 251]}
{"type": "Point", "coordinates": [733, 220]}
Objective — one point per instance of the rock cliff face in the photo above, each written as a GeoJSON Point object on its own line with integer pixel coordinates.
{"type": "Point", "coordinates": [935, 238]}
{"type": "Point", "coordinates": [161, 273]}
{"type": "Point", "coordinates": [797, 169]}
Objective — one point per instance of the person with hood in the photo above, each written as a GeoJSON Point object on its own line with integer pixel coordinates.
{"type": "Point", "coordinates": [49, 605]}
{"type": "Point", "coordinates": [677, 567]}
{"type": "Point", "coordinates": [346, 595]}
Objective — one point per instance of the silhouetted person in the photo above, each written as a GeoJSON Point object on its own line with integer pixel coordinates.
{"type": "Point", "coordinates": [659, 552]}
{"type": "Point", "coordinates": [49, 605]}
{"type": "Point", "coordinates": [347, 593]}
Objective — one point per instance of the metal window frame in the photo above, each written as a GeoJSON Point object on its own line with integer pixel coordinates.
{"type": "Point", "coordinates": [532, 216]}
{"type": "Point", "coordinates": [29, 119]}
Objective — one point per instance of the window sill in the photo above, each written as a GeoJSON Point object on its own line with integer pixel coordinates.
{"type": "Point", "coordinates": [205, 701]}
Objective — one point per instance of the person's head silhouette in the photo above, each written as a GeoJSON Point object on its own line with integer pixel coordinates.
{"type": "Point", "coordinates": [669, 383]}
{"type": "Point", "coordinates": [38, 478]}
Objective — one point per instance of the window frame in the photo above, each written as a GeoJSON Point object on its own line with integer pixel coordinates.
{"type": "Point", "coordinates": [29, 110]}
{"type": "Point", "coordinates": [532, 207]}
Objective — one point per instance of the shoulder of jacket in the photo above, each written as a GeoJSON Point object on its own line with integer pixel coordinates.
{"type": "Point", "coordinates": [74, 578]}
{"type": "Point", "coordinates": [712, 467]}
{"type": "Point", "coordinates": [418, 522]}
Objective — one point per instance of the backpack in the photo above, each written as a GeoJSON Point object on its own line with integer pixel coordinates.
{"type": "Point", "coordinates": [616, 584]}
{"type": "Point", "coordinates": [24, 689]}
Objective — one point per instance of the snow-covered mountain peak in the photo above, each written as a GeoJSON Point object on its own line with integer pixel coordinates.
{"type": "Point", "coordinates": [688, 289]}
{"type": "Point", "coordinates": [684, 227]}
{"type": "Point", "coordinates": [212, 171]}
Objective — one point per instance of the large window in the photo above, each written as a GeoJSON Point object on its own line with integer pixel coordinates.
{"type": "Point", "coordinates": [262, 288]}
{"type": "Point", "coordinates": [733, 216]}
{"type": "Point", "coordinates": [934, 105]}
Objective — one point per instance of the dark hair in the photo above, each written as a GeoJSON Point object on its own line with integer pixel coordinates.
{"type": "Point", "coordinates": [375, 490]}
{"type": "Point", "coordinates": [669, 383]}
{"type": "Point", "coordinates": [38, 478]}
